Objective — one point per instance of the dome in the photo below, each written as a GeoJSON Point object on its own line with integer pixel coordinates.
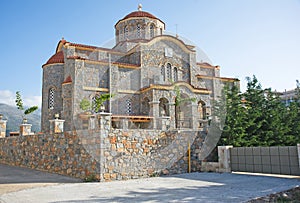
{"type": "Point", "coordinates": [139, 14]}
{"type": "Point", "coordinates": [56, 58]}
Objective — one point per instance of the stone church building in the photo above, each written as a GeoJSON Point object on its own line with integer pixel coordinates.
{"type": "Point", "coordinates": [145, 71]}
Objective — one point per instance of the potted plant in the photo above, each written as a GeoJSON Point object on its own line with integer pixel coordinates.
{"type": "Point", "coordinates": [19, 104]}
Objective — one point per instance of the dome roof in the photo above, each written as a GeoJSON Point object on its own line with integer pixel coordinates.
{"type": "Point", "coordinates": [137, 14]}
{"type": "Point", "coordinates": [56, 58]}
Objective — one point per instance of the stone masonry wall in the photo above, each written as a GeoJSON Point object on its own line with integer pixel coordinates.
{"type": "Point", "coordinates": [59, 153]}
{"type": "Point", "coordinates": [121, 154]}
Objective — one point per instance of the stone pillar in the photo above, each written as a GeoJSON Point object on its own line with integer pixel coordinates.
{"type": "Point", "coordinates": [172, 115]}
{"type": "Point", "coordinates": [154, 111]}
{"type": "Point", "coordinates": [105, 127]}
{"type": "Point", "coordinates": [195, 116]}
{"type": "Point", "coordinates": [104, 121]}
{"type": "Point", "coordinates": [165, 123]}
{"type": "Point", "coordinates": [92, 122]}
{"type": "Point", "coordinates": [2, 127]}
{"type": "Point", "coordinates": [224, 159]}
{"type": "Point", "coordinates": [25, 129]}
{"type": "Point", "coordinates": [56, 126]}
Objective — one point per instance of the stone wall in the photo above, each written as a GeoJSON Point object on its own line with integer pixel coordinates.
{"type": "Point", "coordinates": [121, 154]}
{"type": "Point", "coordinates": [58, 153]}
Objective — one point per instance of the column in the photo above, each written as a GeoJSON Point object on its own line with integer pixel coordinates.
{"type": "Point", "coordinates": [195, 116]}
{"type": "Point", "coordinates": [154, 111]}
{"type": "Point", "coordinates": [25, 129]}
{"type": "Point", "coordinates": [56, 126]}
{"type": "Point", "coordinates": [2, 126]}
{"type": "Point", "coordinates": [172, 115]}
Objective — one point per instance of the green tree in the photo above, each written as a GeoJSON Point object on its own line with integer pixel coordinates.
{"type": "Point", "coordinates": [19, 104]}
{"type": "Point", "coordinates": [235, 122]}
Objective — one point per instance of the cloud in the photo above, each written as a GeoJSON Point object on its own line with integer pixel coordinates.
{"type": "Point", "coordinates": [8, 97]}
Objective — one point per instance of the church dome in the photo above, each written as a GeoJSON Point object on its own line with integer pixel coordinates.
{"type": "Point", "coordinates": [138, 14]}
{"type": "Point", "coordinates": [138, 26]}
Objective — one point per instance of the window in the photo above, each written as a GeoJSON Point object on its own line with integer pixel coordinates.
{"type": "Point", "coordinates": [128, 106]}
{"type": "Point", "coordinates": [126, 32]}
{"type": "Point", "coordinates": [51, 98]}
{"type": "Point", "coordinates": [175, 74]}
{"type": "Point", "coordinates": [151, 30]}
{"type": "Point", "coordinates": [169, 71]}
{"type": "Point", "coordinates": [138, 30]}
{"type": "Point", "coordinates": [162, 72]}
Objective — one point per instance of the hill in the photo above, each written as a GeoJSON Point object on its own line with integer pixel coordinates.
{"type": "Point", "coordinates": [14, 118]}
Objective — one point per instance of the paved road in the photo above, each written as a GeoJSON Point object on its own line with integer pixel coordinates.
{"type": "Point", "coordinates": [194, 187]}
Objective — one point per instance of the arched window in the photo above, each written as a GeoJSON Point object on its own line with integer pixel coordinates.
{"type": "Point", "coordinates": [138, 30]}
{"type": "Point", "coordinates": [51, 98]}
{"type": "Point", "coordinates": [162, 72]}
{"type": "Point", "coordinates": [125, 32]}
{"type": "Point", "coordinates": [169, 67]}
{"type": "Point", "coordinates": [151, 30]}
{"type": "Point", "coordinates": [175, 74]}
{"type": "Point", "coordinates": [163, 107]}
{"type": "Point", "coordinates": [202, 109]}
{"type": "Point", "coordinates": [128, 106]}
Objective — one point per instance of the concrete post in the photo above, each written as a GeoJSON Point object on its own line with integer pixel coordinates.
{"type": "Point", "coordinates": [2, 126]}
{"type": "Point", "coordinates": [224, 158]}
{"type": "Point", "coordinates": [25, 129]}
{"type": "Point", "coordinates": [56, 126]}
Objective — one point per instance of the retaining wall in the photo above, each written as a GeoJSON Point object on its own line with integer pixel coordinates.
{"type": "Point", "coordinates": [110, 155]}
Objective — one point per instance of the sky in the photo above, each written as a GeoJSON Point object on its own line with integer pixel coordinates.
{"type": "Point", "coordinates": [245, 38]}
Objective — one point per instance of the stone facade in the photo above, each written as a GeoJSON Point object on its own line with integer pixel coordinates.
{"type": "Point", "coordinates": [141, 71]}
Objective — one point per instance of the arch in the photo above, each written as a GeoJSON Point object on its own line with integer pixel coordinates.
{"type": "Point", "coordinates": [175, 74]}
{"type": "Point", "coordinates": [162, 72]}
{"type": "Point", "coordinates": [138, 31]}
{"type": "Point", "coordinates": [169, 71]}
{"type": "Point", "coordinates": [151, 30]}
{"type": "Point", "coordinates": [202, 109]}
{"type": "Point", "coordinates": [125, 32]}
{"type": "Point", "coordinates": [183, 112]}
{"type": "Point", "coordinates": [51, 98]}
{"type": "Point", "coordinates": [164, 107]}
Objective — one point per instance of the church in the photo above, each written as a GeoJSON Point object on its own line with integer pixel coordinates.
{"type": "Point", "coordinates": [153, 78]}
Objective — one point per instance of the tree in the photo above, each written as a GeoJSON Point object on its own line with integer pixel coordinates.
{"type": "Point", "coordinates": [19, 104]}
{"type": "Point", "coordinates": [235, 122]}
{"type": "Point", "coordinates": [96, 104]}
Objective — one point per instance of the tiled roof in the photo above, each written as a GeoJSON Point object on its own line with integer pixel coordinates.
{"type": "Point", "coordinates": [140, 14]}
{"type": "Point", "coordinates": [56, 58]}
{"type": "Point", "coordinates": [68, 80]}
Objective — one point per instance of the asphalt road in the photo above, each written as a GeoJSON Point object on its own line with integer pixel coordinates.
{"type": "Point", "coordinates": [38, 187]}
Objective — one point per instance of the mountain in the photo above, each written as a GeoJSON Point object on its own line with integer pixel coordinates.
{"type": "Point", "coordinates": [14, 118]}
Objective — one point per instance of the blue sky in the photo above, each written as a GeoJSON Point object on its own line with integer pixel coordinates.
{"type": "Point", "coordinates": [260, 37]}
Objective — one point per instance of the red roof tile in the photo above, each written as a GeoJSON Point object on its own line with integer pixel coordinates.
{"type": "Point", "coordinates": [56, 58]}
{"type": "Point", "coordinates": [140, 14]}
{"type": "Point", "coordinates": [68, 80]}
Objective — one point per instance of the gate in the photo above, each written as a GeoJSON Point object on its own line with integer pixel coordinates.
{"type": "Point", "coordinates": [272, 160]}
